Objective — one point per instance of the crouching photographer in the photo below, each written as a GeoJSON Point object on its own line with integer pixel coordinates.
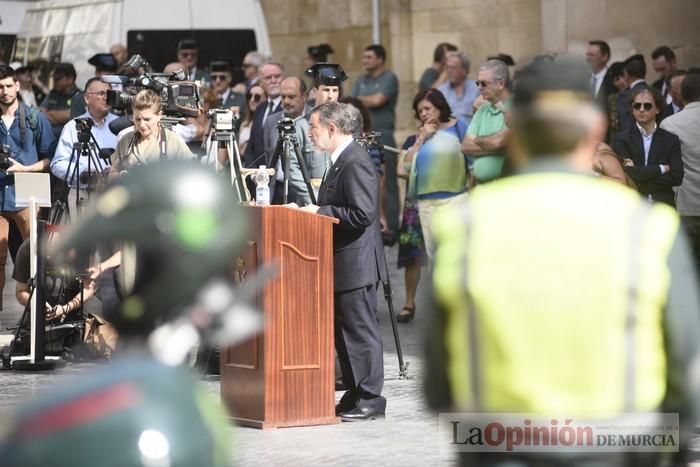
{"type": "Point", "coordinates": [73, 311]}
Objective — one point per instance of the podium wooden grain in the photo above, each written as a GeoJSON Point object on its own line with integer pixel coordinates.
{"type": "Point", "coordinates": [285, 376]}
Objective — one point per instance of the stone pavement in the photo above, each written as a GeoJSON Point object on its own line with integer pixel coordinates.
{"type": "Point", "coordinates": [407, 437]}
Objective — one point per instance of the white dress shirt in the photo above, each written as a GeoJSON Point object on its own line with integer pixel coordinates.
{"type": "Point", "coordinates": [69, 136]}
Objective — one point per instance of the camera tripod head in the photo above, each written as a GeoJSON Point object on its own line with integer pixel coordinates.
{"type": "Point", "coordinates": [286, 127]}
{"type": "Point", "coordinates": [83, 127]}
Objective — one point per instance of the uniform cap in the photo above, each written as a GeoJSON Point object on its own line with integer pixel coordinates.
{"type": "Point", "coordinates": [104, 62]}
{"type": "Point", "coordinates": [328, 74]}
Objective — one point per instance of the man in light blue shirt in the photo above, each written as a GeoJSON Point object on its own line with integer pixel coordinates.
{"type": "Point", "coordinates": [459, 91]}
{"type": "Point", "coordinates": [98, 112]}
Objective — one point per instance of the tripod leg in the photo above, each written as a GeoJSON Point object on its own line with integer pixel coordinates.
{"type": "Point", "coordinates": [285, 169]}
{"type": "Point", "coordinates": [304, 171]}
{"type": "Point", "coordinates": [25, 315]}
{"type": "Point", "coordinates": [388, 296]}
{"type": "Point", "coordinates": [233, 151]}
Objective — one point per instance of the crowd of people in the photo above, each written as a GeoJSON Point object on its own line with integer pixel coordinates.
{"type": "Point", "coordinates": [464, 131]}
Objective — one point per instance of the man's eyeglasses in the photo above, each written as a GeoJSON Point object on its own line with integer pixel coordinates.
{"type": "Point", "coordinates": [248, 65]}
{"type": "Point", "coordinates": [188, 54]}
{"type": "Point", "coordinates": [483, 84]}
{"type": "Point", "coordinates": [255, 97]}
{"type": "Point", "coordinates": [100, 94]}
{"type": "Point", "coordinates": [218, 77]}
{"type": "Point", "coordinates": [638, 106]}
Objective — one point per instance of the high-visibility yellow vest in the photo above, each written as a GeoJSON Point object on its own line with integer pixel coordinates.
{"type": "Point", "coordinates": [554, 286]}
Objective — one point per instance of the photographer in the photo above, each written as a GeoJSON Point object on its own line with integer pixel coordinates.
{"type": "Point", "coordinates": [64, 298]}
{"type": "Point", "coordinates": [26, 138]}
{"type": "Point", "coordinates": [98, 118]}
{"type": "Point", "coordinates": [149, 141]}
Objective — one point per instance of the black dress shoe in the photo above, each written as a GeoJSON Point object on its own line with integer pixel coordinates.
{"type": "Point", "coordinates": [340, 409]}
{"type": "Point", "coordinates": [361, 414]}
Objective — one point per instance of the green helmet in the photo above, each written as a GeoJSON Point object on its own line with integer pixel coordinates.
{"type": "Point", "coordinates": [178, 226]}
{"type": "Point", "coordinates": [132, 412]}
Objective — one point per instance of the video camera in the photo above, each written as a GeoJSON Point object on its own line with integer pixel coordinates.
{"type": "Point", "coordinates": [5, 162]}
{"type": "Point", "coordinates": [178, 97]}
{"type": "Point", "coordinates": [222, 119]}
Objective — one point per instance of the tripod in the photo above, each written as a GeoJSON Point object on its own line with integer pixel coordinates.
{"type": "Point", "coordinates": [370, 141]}
{"type": "Point", "coordinates": [286, 143]}
{"type": "Point", "coordinates": [226, 139]}
{"type": "Point", "coordinates": [86, 146]}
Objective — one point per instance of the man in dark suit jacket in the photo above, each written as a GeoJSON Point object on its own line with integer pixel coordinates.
{"type": "Point", "coordinates": [674, 90]}
{"type": "Point", "coordinates": [651, 156]}
{"type": "Point", "coordinates": [220, 76]}
{"type": "Point", "coordinates": [188, 55]}
{"type": "Point", "coordinates": [350, 193]}
{"type": "Point", "coordinates": [597, 56]}
{"type": "Point", "coordinates": [635, 73]}
{"type": "Point", "coordinates": [271, 76]}
{"type": "Point", "coordinates": [663, 59]}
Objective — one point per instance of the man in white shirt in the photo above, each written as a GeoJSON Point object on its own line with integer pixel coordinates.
{"type": "Point", "coordinates": [98, 112]}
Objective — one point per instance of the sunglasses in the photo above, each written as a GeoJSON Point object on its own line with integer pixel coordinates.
{"type": "Point", "coordinates": [638, 105]}
{"type": "Point", "coordinates": [483, 84]}
{"type": "Point", "coordinates": [255, 97]}
{"type": "Point", "coordinates": [217, 77]}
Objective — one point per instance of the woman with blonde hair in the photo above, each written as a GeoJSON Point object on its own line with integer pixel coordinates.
{"type": "Point", "coordinates": [149, 141]}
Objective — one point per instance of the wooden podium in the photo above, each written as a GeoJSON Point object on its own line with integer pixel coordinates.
{"type": "Point", "coordinates": [286, 375]}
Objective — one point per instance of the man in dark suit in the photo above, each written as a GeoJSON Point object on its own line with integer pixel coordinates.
{"type": "Point", "coordinates": [664, 62]}
{"type": "Point", "coordinates": [220, 76]}
{"type": "Point", "coordinates": [271, 76]}
{"type": "Point", "coordinates": [635, 73]}
{"type": "Point", "coordinates": [597, 57]}
{"type": "Point", "coordinates": [350, 193]}
{"type": "Point", "coordinates": [188, 55]}
{"type": "Point", "coordinates": [651, 156]}
{"type": "Point", "coordinates": [674, 90]}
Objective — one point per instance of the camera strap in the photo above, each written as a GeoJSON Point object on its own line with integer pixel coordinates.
{"type": "Point", "coordinates": [22, 124]}
{"type": "Point", "coordinates": [33, 119]}
{"type": "Point", "coordinates": [162, 146]}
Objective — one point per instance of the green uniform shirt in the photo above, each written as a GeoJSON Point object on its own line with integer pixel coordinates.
{"type": "Point", "coordinates": [383, 117]}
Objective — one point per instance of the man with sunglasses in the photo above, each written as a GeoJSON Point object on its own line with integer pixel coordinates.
{"type": "Point", "coordinates": [488, 132]}
{"type": "Point", "coordinates": [187, 55]}
{"type": "Point", "coordinates": [220, 77]}
{"type": "Point", "coordinates": [651, 156]}
{"type": "Point", "coordinates": [250, 66]}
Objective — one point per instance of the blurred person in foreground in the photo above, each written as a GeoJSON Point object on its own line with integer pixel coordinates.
{"type": "Point", "coordinates": [540, 311]}
{"type": "Point", "coordinates": [152, 411]}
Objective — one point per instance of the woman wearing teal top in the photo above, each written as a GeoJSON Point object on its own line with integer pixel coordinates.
{"type": "Point", "coordinates": [438, 167]}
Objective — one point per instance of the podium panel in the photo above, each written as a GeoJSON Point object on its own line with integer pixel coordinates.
{"type": "Point", "coordinates": [285, 375]}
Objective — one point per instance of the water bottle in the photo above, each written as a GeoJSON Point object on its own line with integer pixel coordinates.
{"type": "Point", "coordinates": [262, 190]}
